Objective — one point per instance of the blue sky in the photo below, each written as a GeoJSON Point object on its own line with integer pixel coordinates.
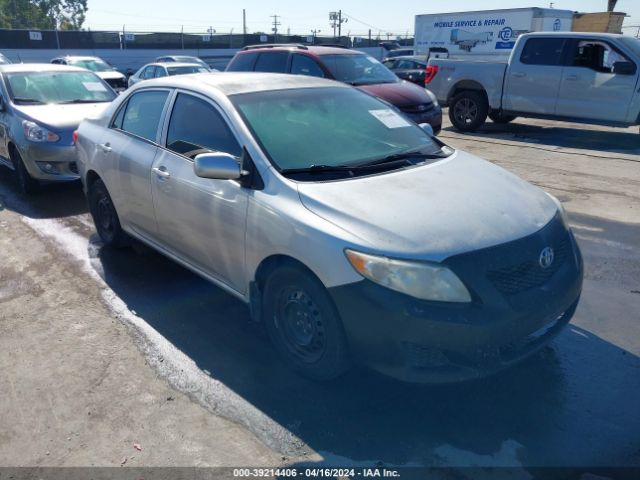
{"type": "Point", "coordinates": [387, 17]}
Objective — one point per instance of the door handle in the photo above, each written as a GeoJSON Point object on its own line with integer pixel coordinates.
{"type": "Point", "coordinates": [519, 74]}
{"type": "Point", "coordinates": [161, 172]}
{"type": "Point", "coordinates": [106, 147]}
{"type": "Point", "coordinates": [571, 77]}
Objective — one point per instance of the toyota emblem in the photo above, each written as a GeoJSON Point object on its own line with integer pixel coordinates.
{"type": "Point", "coordinates": [546, 257]}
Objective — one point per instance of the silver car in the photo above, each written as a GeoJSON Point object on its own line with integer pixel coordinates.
{"type": "Point", "coordinates": [352, 233]}
{"type": "Point", "coordinates": [115, 79]}
{"type": "Point", "coordinates": [158, 70]}
{"type": "Point", "coordinates": [40, 107]}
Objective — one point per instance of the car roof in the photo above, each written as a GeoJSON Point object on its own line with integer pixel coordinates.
{"type": "Point", "coordinates": [39, 67]}
{"type": "Point", "coordinates": [314, 49]}
{"type": "Point", "coordinates": [79, 57]}
{"type": "Point", "coordinates": [573, 34]}
{"type": "Point", "coordinates": [232, 83]}
{"type": "Point", "coordinates": [174, 64]}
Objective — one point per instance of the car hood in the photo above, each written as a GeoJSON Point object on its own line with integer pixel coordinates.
{"type": "Point", "coordinates": [433, 211]}
{"type": "Point", "coordinates": [401, 94]}
{"type": "Point", "coordinates": [61, 117]}
{"type": "Point", "coordinates": [109, 75]}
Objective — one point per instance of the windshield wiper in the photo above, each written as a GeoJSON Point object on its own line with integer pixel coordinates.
{"type": "Point", "coordinates": [403, 156]}
{"type": "Point", "coordinates": [320, 169]}
{"type": "Point", "coordinates": [81, 100]}
{"type": "Point", "coordinates": [27, 100]}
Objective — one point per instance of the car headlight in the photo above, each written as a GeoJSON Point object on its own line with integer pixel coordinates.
{"type": "Point", "coordinates": [426, 281]}
{"type": "Point", "coordinates": [433, 98]}
{"type": "Point", "coordinates": [36, 133]}
{"type": "Point", "coordinates": [561, 210]}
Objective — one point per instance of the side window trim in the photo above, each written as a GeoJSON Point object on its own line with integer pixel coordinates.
{"type": "Point", "coordinates": [163, 115]}
{"type": "Point", "coordinates": [169, 111]}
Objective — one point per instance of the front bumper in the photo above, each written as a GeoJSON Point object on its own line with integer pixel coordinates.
{"type": "Point", "coordinates": [433, 117]}
{"type": "Point", "coordinates": [50, 162]}
{"type": "Point", "coordinates": [434, 342]}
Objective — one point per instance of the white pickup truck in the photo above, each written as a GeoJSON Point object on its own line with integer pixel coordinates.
{"type": "Point", "coordinates": [577, 77]}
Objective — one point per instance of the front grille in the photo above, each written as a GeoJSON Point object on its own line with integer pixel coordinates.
{"type": "Point", "coordinates": [418, 109]}
{"type": "Point", "coordinates": [116, 83]}
{"type": "Point", "coordinates": [529, 274]}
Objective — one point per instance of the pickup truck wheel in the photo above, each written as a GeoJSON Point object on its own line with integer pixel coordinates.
{"type": "Point", "coordinates": [497, 117]}
{"type": "Point", "coordinates": [105, 216]}
{"type": "Point", "coordinates": [303, 324]}
{"type": "Point", "coordinates": [26, 182]}
{"type": "Point", "coordinates": [468, 110]}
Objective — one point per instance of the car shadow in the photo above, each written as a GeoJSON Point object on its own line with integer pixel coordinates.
{"type": "Point", "coordinates": [559, 134]}
{"type": "Point", "coordinates": [573, 403]}
{"type": "Point", "coordinates": [53, 200]}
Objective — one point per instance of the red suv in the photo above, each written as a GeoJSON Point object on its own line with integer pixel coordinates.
{"type": "Point", "coordinates": [349, 66]}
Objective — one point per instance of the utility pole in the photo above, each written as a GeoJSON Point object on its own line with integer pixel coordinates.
{"type": "Point", "coordinates": [314, 32]}
{"type": "Point", "coordinates": [276, 24]}
{"type": "Point", "coordinates": [337, 20]}
{"type": "Point", "coordinates": [244, 27]}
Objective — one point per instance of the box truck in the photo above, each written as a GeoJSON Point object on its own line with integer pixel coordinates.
{"type": "Point", "coordinates": [484, 33]}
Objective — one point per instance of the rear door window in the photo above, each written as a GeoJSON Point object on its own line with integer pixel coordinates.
{"type": "Point", "coordinates": [274, 62]}
{"type": "Point", "coordinates": [197, 127]}
{"type": "Point", "coordinates": [142, 114]}
{"type": "Point", "coordinates": [303, 65]}
{"type": "Point", "coordinates": [243, 62]}
{"type": "Point", "coordinates": [543, 51]}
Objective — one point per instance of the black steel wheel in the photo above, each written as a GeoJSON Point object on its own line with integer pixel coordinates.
{"type": "Point", "coordinates": [303, 324]}
{"type": "Point", "coordinates": [105, 216]}
{"type": "Point", "coordinates": [26, 182]}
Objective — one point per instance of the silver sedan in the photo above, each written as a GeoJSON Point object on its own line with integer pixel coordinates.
{"type": "Point", "coordinates": [351, 232]}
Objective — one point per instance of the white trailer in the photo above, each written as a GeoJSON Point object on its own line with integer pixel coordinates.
{"type": "Point", "coordinates": [486, 33]}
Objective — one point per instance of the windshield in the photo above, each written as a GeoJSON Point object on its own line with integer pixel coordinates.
{"type": "Point", "coordinates": [632, 43]}
{"type": "Point", "coordinates": [184, 70]}
{"type": "Point", "coordinates": [358, 69]}
{"type": "Point", "coordinates": [300, 128]}
{"type": "Point", "coordinates": [32, 88]}
{"type": "Point", "coordinates": [93, 64]}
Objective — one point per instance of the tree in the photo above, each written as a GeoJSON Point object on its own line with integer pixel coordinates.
{"type": "Point", "coordinates": [43, 14]}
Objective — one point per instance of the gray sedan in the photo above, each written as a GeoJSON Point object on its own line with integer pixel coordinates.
{"type": "Point", "coordinates": [40, 107]}
{"type": "Point", "coordinates": [351, 232]}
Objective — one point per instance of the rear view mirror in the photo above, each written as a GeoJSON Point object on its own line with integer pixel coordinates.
{"type": "Point", "coordinates": [427, 128]}
{"type": "Point", "coordinates": [217, 165]}
{"type": "Point", "coordinates": [624, 68]}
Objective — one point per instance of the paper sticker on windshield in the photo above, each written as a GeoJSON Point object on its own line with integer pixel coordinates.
{"type": "Point", "coordinates": [389, 118]}
{"type": "Point", "coordinates": [94, 86]}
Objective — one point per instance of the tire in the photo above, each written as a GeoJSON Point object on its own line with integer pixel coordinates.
{"type": "Point", "coordinates": [497, 117]}
{"type": "Point", "coordinates": [105, 216]}
{"type": "Point", "coordinates": [26, 182]}
{"type": "Point", "coordinates": [303, 324]}
{"type": "Point", "coordinates": [468, 110]}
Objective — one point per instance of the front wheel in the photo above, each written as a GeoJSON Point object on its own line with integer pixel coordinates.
{"type": "Point", "coordinates": [26, 182]}
{"type": "Point", "coordinates": [304, 325]}
{"type": "Point", "coordinates": [468, 110]}
{"type": "Point", "coordinates": [105, 216]}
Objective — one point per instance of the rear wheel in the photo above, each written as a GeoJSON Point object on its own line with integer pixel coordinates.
{"type": "Point", "coordinates": [26, 182]}
{"type": "Point", "coordinates": [105, 216]}
{"type": "Point", "coordinates": [497, 117]}
{"type": "Point", "coordinates": [303, 324]}
{"type": "Point", "coordinates": [468, 110]}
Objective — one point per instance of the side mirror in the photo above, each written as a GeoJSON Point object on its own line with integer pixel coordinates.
{"type": "Point", "coordinates": [218, 165]}
{"type": "Point", "coordinates": [427, 128]}
{"type": "Point", "coordinates": [624, 68]}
